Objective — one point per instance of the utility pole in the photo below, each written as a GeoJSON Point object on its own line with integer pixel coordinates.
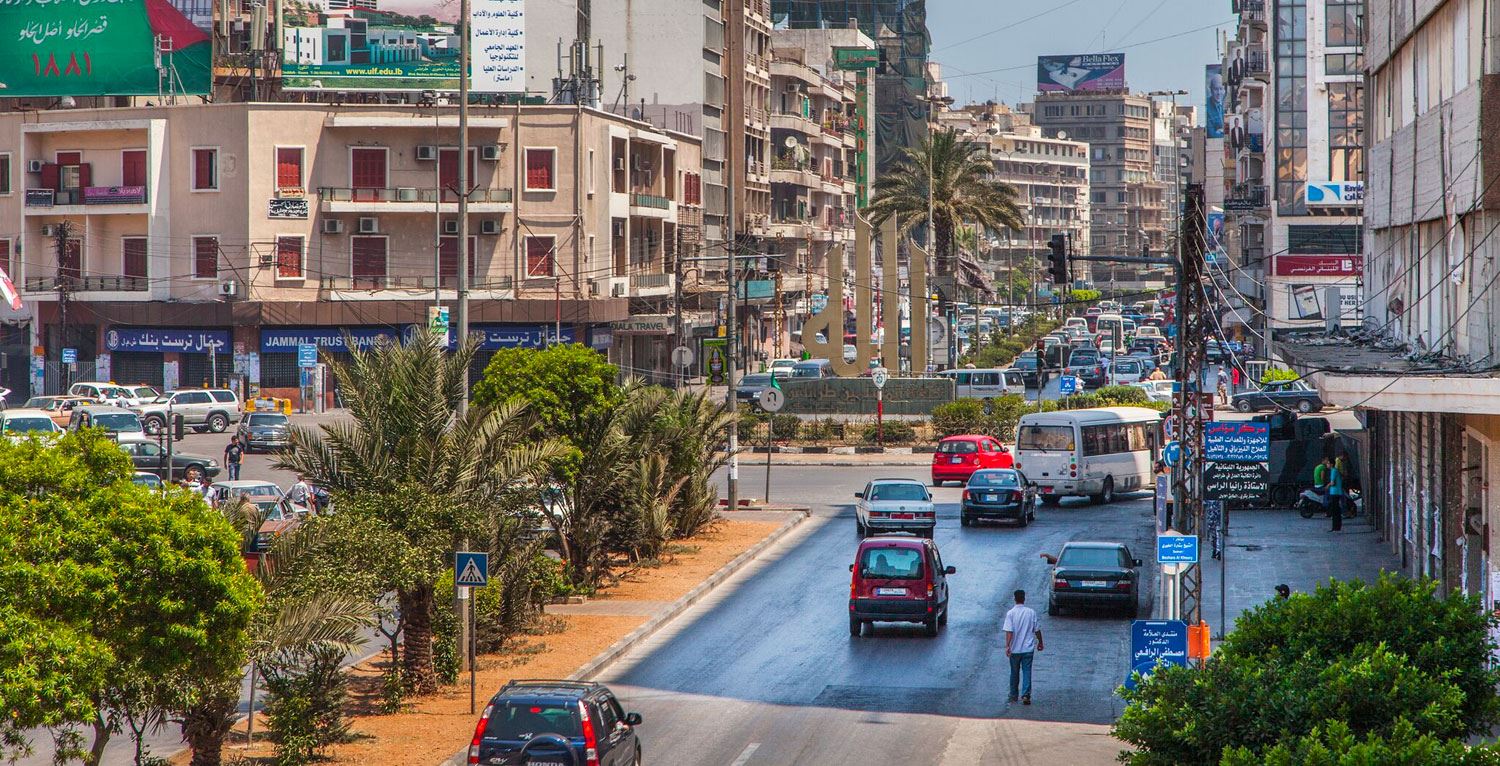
{"type": "Point", "coordinates": [460, 593]}
{"type": "Point", "coordinates": [64, 290]}
{"type": "Point", "coordinates": [1187, 484]}
{"type": "Point", "coordinates": [731, 336]}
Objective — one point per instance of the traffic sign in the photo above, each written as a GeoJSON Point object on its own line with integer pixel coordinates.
{"type": "Point", "coordinates": [307, 355]}
{"type": "Point", "coordinates": [880, 376]}
{"type": "Point", "coordinates": [772, 399]}
{"type": "Point", "coordinates": [471, 569]}
{"type": "Point", "coordinates": [682, 356]}
{"type": "Point", "coordinates": [70, 356]}
{"type": "Point", "coordinates": [1171, 453]}
{"type": "Point", "coordinates": [1067, 384]}
{"type": "Point", "coordinates": [1153, 643]}
{"type": "Point", "coordinates": [1177, 549]}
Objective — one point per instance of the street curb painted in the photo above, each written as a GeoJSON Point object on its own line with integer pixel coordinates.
{"type": "Point", "coordinates": [681, 605]}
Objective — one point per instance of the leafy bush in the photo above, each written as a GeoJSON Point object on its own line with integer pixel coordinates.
{"type": "Point", "coordinates": [896, 432]}
{"type": "Point", "coordinates": [963, 416]}
{"type": "Point", "coordinates": [1122, 396]}
{"type": "Point", "coordinates": [1005, 415]}
{"type": "Point", "coordinates": [1273, 374]}
{"type": "Point", "coordinates": [305, 699]}
{"type": "Point", "coordinates": [750, 419]}
{"type": "Point", "coordinates": [821, 430]}
{"type": "Point", "coordinates": [785, 426]}
{"type": "Point", "coordinates": [1335, 745]}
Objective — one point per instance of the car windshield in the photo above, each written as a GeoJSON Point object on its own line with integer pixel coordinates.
{"type": "Point", "coordinates": [146, 392]}
{"type": "Point", "coordinates": [758, 379]}
{"type": "Point", "coordinates": [1090, 557]}
{"type": "Point", "coordinates": [1028, 362]}
{"type": "Point", "coordinates": [994, 479]}
{"type": "Point", "coordinates": [902, 491]}
{"type": "Point", "coordinates": [806, 371]}
{"type": "Point", "coordinates": [891, 563]}
{"type": "Point", "coordinates": [1046, 438]}
{"type": "Point", "coordinates": [146, 480]}
{"type": "Point", "coordinates": [25, 425]}
{"type": "Point", "coordinates": [958, 447]}
{"type": "Point", "coordinates": [267, 419]}
{"type": "Point", "coordinates": [520, 721]}
{"type": "Point", "coordinates": [117, 421]}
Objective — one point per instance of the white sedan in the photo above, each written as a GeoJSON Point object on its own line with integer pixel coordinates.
{"type": "Point", "coordinates": [894, 505]}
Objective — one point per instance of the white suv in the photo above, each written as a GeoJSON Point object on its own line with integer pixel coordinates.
{"type": "Point", "coordinates": [211, 409]}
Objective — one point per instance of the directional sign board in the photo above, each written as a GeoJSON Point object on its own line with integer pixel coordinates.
{"type": "Point", "coordinates": [1154, 643]}
{"type": "Point", "coordinates": [70, 356]}
{"type": "Point", "coordinates": [307, 355]}
{"type": "Point", "coordinates": [1067, 384]}
{"type": "Point", "coordinates": [471, 569]}
{"type": "Point", "coordinates": [1177, 549]}
{"type": "Point", "coordinates": [1236, 441]}
{"type": "Point", "coordinates": [880, 376]}
{"type": "Point", "coordinates": [772, 399]}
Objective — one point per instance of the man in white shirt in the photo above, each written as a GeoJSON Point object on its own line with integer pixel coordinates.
{"type": "Point", "coordinates": [300, 493]}
{"type": "Point", "coordinates": [1023, 637]}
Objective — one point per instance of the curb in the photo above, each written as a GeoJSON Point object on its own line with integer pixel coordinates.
{"type": "Point", "coordinates": [681, 605]}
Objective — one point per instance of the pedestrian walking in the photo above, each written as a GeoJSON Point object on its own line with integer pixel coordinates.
{"type": "Point", "coordinates": [1234, 378]}
{"type": "Point", "coordinates": [1336, 495]}
{"type": "Point", "coordinates": [1023, 638]}
{"type": "Point", "coordinates": [1223, 385]}
{"type": "Point", "coordinates": [300, 493]}
{"type": "Point", "coordinates": [232, 456]}
{"type": "Point", "coordinates": [1283, 592]}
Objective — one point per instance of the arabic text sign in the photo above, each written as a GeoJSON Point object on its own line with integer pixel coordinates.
{"type": "Point", "coordinates": [1245, 482]}
{"type": "Point", "coordinates": [495, 336]}
{"type": "Point", "coordinates": [1176, 549]}
{"type": "Point", "coordinates": [166, 341]}
{"type": "Point", "coordinates": [1156, 642]}
{"type": "Point", "coordinates": [102, 48]}
{"type": "Point", "coordinates": [1088, 71]}
{"type": "Point", "coordinates": [856, 396]}
{"type": "Point", "coordinates": [497, 45]}
{"type": "Point", "coordinates": [1236, 441]}
{"type": "Point", "coordinates": [1320, 265]}
{"type": "Point", "coordinates": [287, 208]}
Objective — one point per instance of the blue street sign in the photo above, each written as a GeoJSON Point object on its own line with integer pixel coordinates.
{"type": "Point", "coordinates": [307, 355]}
{"type": "Point", "coordinates": [1067, 384]}
{"type": "Point", "coordinates": [70, 356]}
{"type": "Point", "coordinates": [1177, 549]}
{"type": "Point", "coordinates": [1171, 453]}
{"type": "Point", "coordinates": [1156, 642]}
{"type": "Point", "coordinates": [471, 569]}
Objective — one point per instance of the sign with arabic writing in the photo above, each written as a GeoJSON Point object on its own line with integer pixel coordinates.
{"type": "Point", "coordinates": [104, 47]}
{"type": "Point", "coordinates": [166, 341]}
{"type": "Point", "coordinates": [1154, 643]}
{"type": "Point", "coordinates": [1244, 482]}
{"type": "Point", "coordinates": [1236, 441]}
{"type": "Point", "coordinates": [405, 45]}
{"type": "Point", "coordinates": [282, 207]}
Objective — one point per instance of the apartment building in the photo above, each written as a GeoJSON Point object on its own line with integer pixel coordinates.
{"type": "Point", "coordinates": [182, 244]}
{"type": "Point", "coordinates": [1423, 372]}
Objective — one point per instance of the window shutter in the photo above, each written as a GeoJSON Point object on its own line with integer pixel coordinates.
{"type": "Point", "coordinates": [51, 175]}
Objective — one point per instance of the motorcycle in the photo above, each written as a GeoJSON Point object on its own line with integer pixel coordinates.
{"type": "Point", "coordinates": [1311, 503]}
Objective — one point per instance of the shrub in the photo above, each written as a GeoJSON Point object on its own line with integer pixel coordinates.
{"type": "Point", "coordinates": [785, 426]}
{"type": "Point", "coordinates": [963, 416]}
{"type": "Point", "coordinates": [750, 419]}
{"type": "Point", "coordinates": [305, 697]}
{"type": "Point", "coordinates": [1122, 396]}
{"type": "Point", "coordinates": [1335, 745]}
{"type": "Point", "coordinates": [896, 432]}
{"type": "Point", "coordinates": [822, 430]}
{"type": "Point", "coordinates": [1005, 415]}
{"type": "Point", "coordinates": [1274, 374]}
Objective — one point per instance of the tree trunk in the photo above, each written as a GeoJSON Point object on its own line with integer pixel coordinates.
{"type": "Point", "coordinates": [101, 739]}
{"type": "Point", "coordinates": [944, 240]}
{"type": "Point", "coordinates": [205, 724]}
{"type": "Point", "coordinates": [418, 672]}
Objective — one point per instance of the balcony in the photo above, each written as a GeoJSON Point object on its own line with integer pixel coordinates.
{"type": "Point", "coordinates": [88, 284]}
{"type": "Point", "coordinates": [105, 200]}
{"type": "Point", "coordinates": [651, 285]}
{"type": "Point", "coordinates": [652, 206]}
{"type": "Point", "coordinates": [1245, 198]}
{"type": "Point", "coordinates": [477, 283]}
{"type": "Point", "coordinates": [1253, 13]}
{"type": "Point", "coordinates": [794, 121]}
{"type": "Point", "coordinates": [408, 199]}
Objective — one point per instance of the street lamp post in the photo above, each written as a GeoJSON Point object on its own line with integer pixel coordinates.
{"type": "Point", "coordinates": [932, 101]}
{"type": "Point", "coordinates": [1176, 167]}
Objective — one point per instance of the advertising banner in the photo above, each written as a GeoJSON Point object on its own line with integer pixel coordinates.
{"type": "Point", "coordinates": [1088, 71]}
{"type": "Point", "coordinates": [1240, 482]}
{"type": "Point", "coordinates": [390, 45]}
{"type": "Point", "coordinates": [1236, 441]}
{"type": "Point", "coordinates": [1213, 118]}
{"type": "Point", "coordinates": [1320, 265]}
{"type": "Point", "coordinates": [105, 48]}
{"type": "Point", "coordinates": [1306, 303]}
{"type": "Point", "coordinates": [166, 341]}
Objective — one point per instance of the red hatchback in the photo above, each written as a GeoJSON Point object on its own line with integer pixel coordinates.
{"type": "Point", "coordinates": [898, 578]}
{"type": "Point", "coordinates": [958, 457]}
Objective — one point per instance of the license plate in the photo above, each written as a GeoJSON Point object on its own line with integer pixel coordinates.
{"type": "Point", "coordinates": [991, 498]}
{"type": "Point", "coordinates": [890, 591]}
{"type": "Point", "coordinates": [1093, 583]}
{"type": "Point", "coordinates": [955, 460]}
{"type": "Point", "coordinates": [902, 516]}
{"type": "Point", "coordinates": [1045, 489]}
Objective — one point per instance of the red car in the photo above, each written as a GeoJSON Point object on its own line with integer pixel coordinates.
{"type": "Point", "coordinates": [898, 578]}
{"type": "Point", "coordinates": [958, 457]}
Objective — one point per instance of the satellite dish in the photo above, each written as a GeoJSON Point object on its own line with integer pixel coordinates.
{"type": "Point", "coordinates": [1062, 134]}
{"type": "Point", "coordinates": [790, 142]}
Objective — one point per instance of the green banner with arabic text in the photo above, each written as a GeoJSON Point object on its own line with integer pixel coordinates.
{"type": "Point", "coordinates": [105, 47]}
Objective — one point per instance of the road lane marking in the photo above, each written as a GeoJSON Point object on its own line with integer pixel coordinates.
{"type": "Point", "coordinates": [745, 754]}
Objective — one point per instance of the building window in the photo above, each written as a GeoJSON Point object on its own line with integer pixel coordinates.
{"type": "Point", "coordinates": [5, 186]}
{"type": "Point", "coordinates": [1345, 23]}
{"type": "Point", "coordinates": [1325, 240]}
{"type": "Point", "coordinates": [133, 254]}
{"type": "Point", "coordinates": [133, 167]}
{"type": "Point", "coordinates": [539, 255]}
{"type": "Point", "coordinates": [1291, 106]}
{"type": "Point", "coordinates": [367, 171]}
{"type": "Point", "coordinates": [205, 170]}
{"type": "Point", "coordinates": [448, 259]}
{"type": "Point", "coordinates": [289, 257]}
{"type": "Point", "coordinates": [367, 262]}
{"type": "Point", "coordinates": [540, 167]}
{"type": "Point", "coordinates": [205, 257]}
{"type": "Point", "coordinates": [5, 257]}
{"type": "Point", "coordinates": [289, 168]}
{"type": "Point", "coordinates": [1344, 63]}
{"type": "Point", "coordinates": [1345, 131]}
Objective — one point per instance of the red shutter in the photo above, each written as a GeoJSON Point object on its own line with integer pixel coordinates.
{"type": "Point", "coordinates": [448, 260]}
{"type": "Point", "coordinates": [206, 257]}
{"type": "Point", "coordinates": [539, 256]}
{"type": "Point", "coordinates": [203, 169]}
{"type": "Point", "coordinates": [367, 169]}
{"type": "Point", "coordinates": [5, 257]}
{"type": "Point", "coordinates": [69, 158]}
{"type": "Point", "coordinates": [288, 257]}
{"type": "Point", "coordinates": [289, 168]}
{"type": "Point", "coordinates": [133, 251]}
{"type": "Point", "coordinates": [133, 168]}
{"type": "Point", "coordinates": [85, 175]}
{"type": "Point", "coordinates": [368, 261]}
{"type": "Point", "coordinates": [51, 175]}
{"type": "Point", "coordinates": [539, 168]}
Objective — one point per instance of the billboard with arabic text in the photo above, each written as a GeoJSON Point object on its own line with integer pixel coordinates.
{"type": "Point", "coordinates": [57, 48]}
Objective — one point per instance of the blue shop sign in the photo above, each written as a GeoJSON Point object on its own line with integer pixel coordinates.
{"type": "Point", "coordinates": [167, 341]}
{"type": "Point", "coordinates": [285, 340]}
{"type": "Point", "coordinates": [494, 336]}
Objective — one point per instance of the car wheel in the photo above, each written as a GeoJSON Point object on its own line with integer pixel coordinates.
{"type": "Point", "coordinates": [1051, 499]}
{"type": "Point", "coordinates": [1304, 406]}
{"type": "Point", "coordinates": [152, 425]}
{"type": "Point", "coordinates": [936, 482]}
{"type": "Point", "coordinates": [217, 422]}
{"type": "Point", "coordinates": [1133, 610]}
{"type": "Point", "coordinates": [930, 626]}
{"type": "Point", "coordinates": [943, 615]}
{"type": "Point", "coordinates": [193, 473]}
{"type": "Point", "coordinates": [1283, 496]}
{"type": "Point", "coordinates": [965, 521]}
{"type": "Point", "coordinates": [860, 529]}
{"type": "Point", "coordinates": [855, 626]}
{"type": "Point", "coordinates": [1107, 496]}
{"type": "Point", "coordinates": [1024, 520]}
{"type": "Point", "coordinates": [1052, 609]}
{"type": "Point", "coordinates": [1243, 405]}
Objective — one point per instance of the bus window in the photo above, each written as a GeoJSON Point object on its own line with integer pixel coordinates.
{"type": "Point", "coordinates": [1046, 439]}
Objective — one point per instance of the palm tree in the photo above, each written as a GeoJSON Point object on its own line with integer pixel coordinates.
{"type": "Point", "coordinates": [963, 192]}
{"type": "Point", "coordinates": [417, 468]}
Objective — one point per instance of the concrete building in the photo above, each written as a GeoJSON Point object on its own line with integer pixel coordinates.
{"type": "Point", "coordinates": [206, 242]}
{"type": "Point", "coordinates": [1128, 202]}
{"type": "Point", "coordinates": [1423, 372]}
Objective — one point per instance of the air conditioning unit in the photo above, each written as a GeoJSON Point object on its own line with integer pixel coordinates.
{"type": "Point", "coordinates": [619, 227]}
{"type": "Point", "coordinates": [34, 166]}
{"type": "Point", "coordinates": [490, 152]}
{"type": "Point", "coordinates": [489, 226]}
{"type": "Point", "coordinates": [369, 224]}
{"type": "Point", "coordinates": [619, 163]}
{"type": "Point", "coordinates": [793, 87]}
{"type": "Point", "coordinates": [427, 153]}
{"type": "Point", "coordinates": [229, 288]}
{"type": "Point", "coordinates": [617, 289]}
{"type": "Point", "coordinates": [333, 226]}
{"type": "Point", "coordinates": [50, 229]}
{"type": "Point", "coordinates": [406, 194]}
{"type": "Point", "coordinates": [450, 227]}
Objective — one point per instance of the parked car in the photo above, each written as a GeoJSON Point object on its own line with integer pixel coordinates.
{"type": "Point", "coordinates": [211, 409]}
{"type": "Point", "coordinates": [898, 578]}
{"type": "Point", "coordinates": [555, 722]}
{"type": "Point", "coordinates": [21, 422]}
{"type": "Point", "coordinates": [751, 386]}
{"type": "Point", "coordinates": [894, 505]}
{"type": "Point", "coordinates": [115, 420]}
{"type": "Point", "coordinates": [998, 493]}
{"type": "Point", "coordinates": [782, 368]}
{"type": "Point", "coordinates": [148, 456]}
{"type": "Point", "coordinates": [60, 408]}
{"type": "Point", "coordinates": [958, 457]}
{"type": "Point", "coordinates": [277, 518]}
{"type": "Point", "coordinates": [813, 368]}
{"type": "Point", "coordinates": [109, 393]}
{"type": "Point", "coordinates": [1030, 366]}
{"type": "Point", "coordinates": [1287, 394]}
{"type": "Point", "coordinates": [1126, 370]}
{"type": "Point", "coordinates": [1089, 574]}
{"type": "Point", "coordinates": [264, 431]}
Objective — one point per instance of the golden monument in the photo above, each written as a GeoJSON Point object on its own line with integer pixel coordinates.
{"type": "Point", "coordinates": [830, 321]}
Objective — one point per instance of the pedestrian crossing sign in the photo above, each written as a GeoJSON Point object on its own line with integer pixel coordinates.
{"type": "Point", "coordinates": [471, 570]}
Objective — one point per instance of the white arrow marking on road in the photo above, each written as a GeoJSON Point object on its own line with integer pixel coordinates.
{"type": "Point", "coordinates": [745, 754]}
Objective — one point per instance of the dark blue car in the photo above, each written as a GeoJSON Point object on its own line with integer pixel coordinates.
{"type": "Point", "coordinates": [555, 723]}
{"type": "Point", "coordinates": [997, 494]}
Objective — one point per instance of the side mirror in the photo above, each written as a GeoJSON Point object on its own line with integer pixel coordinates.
{"type": "Point", "coordinates": [951, 570]}
{"type": "Point", "coordinates": [1051, 559]}
{"type": "Point", "coordinates": [851, 567]}
{"type": "Point", "coordinates": [859, 495]}
{"type": "Point", "coordinates": [632, 719]}
{"type": "Point", "coordinates": [1136, 562]}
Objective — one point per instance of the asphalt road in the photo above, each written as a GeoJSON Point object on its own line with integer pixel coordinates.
{"type": "Point", "coordinates": [765, 671]}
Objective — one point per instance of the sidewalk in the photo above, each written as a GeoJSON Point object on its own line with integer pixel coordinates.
{"type": "Point", "coordinates": [1279, 546]}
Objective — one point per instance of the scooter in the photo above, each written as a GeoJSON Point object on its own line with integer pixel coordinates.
{"type": "Point", "coordinates": [1311, 503]}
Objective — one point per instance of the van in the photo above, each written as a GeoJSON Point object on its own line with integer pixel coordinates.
{"type": "Point", "coordinates": [813, 368]}
{"type": "Point", "coordinates": [898, 578]}
{"type": "Point", "coordinates": [977, 384]}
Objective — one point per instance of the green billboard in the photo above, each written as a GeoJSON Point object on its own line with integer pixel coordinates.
{"type": "Point", "coordinates": [105, 48]}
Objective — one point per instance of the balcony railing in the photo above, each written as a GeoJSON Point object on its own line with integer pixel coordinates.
{"type": "Point", "coordinates": [429, 282]}
{"type": "Point", "coordinates": [89, 284]}
{"type": "Point", "coordinates": [1243, 197]}
{"type": "Point", "coordinates": [647, 281]}
{"type": "Point", "coordinates": [650, 200]}
{"type": "Point", "coordinates": [408, 194]}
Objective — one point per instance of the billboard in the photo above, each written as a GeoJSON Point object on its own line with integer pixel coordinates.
{"type": "Point", "coordinates": [1088, 71]}
{"type": "Point", "coordinates": [90, 48]}
{"type": "Point", "coordinates": [1213, 89]}
{"type": "Point", "coordinates": [390, 45]}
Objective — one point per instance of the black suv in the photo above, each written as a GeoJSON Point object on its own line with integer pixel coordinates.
{"type": "Point", "coordinates": [541, 723]}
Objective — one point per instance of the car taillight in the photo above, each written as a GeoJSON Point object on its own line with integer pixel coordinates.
{"type": "Point", "coordinates": [1059, 583]}
{"type": "Point", "coordinates": [966, 494]}
{"type": "Point", "coordinates": [1122, 585]}
{"type": "Point", "coordinates": [484, 722]}
{"type": "Point", "coordinates": [853, 590]}
{"type": "Point", "coordinates": [590, 742]}
{"type": "Point", "coordinates": [1016, 496]}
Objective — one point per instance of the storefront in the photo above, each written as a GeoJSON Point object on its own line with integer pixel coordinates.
{"type": "Point", "coordinates": [498, 336]}
{"type": "Point", "coordinates": [643, 349]}
{"type": "Point", "coordinates": [167, 358]}
{"type": "Point", "coordinates": [279, 374]}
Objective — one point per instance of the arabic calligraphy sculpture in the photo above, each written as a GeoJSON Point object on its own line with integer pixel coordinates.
{"type": "Point", "coordinates": [830, 321]}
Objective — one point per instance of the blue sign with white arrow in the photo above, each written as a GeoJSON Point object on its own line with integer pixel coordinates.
{"type": "Point", "coordinates": [471, 569]}
{"type": "Point", "coordinates": [1153, 643]}
{"type": "Point", "coordinates": [1172, 453]}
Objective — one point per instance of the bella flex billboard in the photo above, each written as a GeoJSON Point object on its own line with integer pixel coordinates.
{"type": "Point", "coordinates": [1088, 71]}
{"type": "Point", "coordinates": [105, 47]}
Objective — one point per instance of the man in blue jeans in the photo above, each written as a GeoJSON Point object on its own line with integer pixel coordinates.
{"type": "Point", "coordinates": [1023, 637]}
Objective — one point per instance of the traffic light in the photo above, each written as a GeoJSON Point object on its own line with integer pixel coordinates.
{"type": "Point", "coordinates": [1057, 260]}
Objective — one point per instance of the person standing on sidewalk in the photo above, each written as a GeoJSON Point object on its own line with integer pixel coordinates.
{"type": "Point", "coordinates": [1336, 496]}
{"type": "Point", "coordinates": [1023, 637]}
{"type": "Point", "coordinates": [232, 456]}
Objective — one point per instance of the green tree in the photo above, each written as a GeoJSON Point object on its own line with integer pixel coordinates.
{"type": "Point", "coordinates": [562, 386]}
{"type": "Point", "coordinates": [1335, 745]}
{"type": "Point", "coordinates": [417, 473]}
{"type": "Point", "coordinates": [959, 173]}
